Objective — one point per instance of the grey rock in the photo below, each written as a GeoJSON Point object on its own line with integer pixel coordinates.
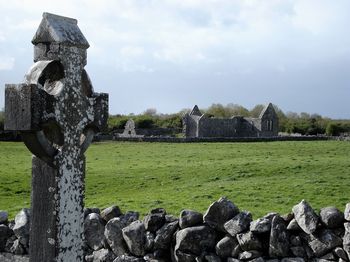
{"type": "Point", "coordinates": [164, 235]}
{"type": "Point", "coordinates": [238, 223]}
{"type": "Point", "coordinates": [258, 259]}
{"type": "Point", "coordinates": [279, 238]}
{"type": "Point", "coordinates": [219, 213]}
{"type": "Point", "coordinates": [261, 225]}
{"type": "Point", "coordinates": [298, 251]}
{"type": "Point", "coordinates": [270, 215]}
{"type": "Point", "coordinates": [17, 248]}
{"type": "Point", "coordinates": [294, 226]}
{"type": "Point", "coordinates": [5, 234]}
{"type": "Point", "coordinates": [164, 254]}
{"type": "Point", "coordinates": [114, 236]}
{"type": "Point", "coordinates": [193, 241]}
{"type": "Point", "coordinates": [248, 255]}
{"type": "Point", "coordinates": [231, 259]}
{"type": "Point", "coordinates": [292, 259]}
{"type": "Point", "coordinates": [110, 212]}
{"type": "Point", "coordinates": [149, 242]}
{"type": "Point", "coordinates": [339, 252]}
{"type": "Point", "coordinates": [227, 247]}
{"type": "Point", "coordinates": [185, 257]}
{"type": "Point", "coordinates": [212, 258]}
{"type": "Point", "coordinates": [11, 224]}
{"type": "Point", "coordinates": [347, 212]}
{"type": "Point", "coordinates": [331, 217]}
{"type": "Point", "coordinates": [95, 210]}
{"type": "Point", "coordinates": [129, 217]}
{"type": "Point", "coordinates": [309, 253]}
{"type": "Point", "coordinates": [288, 217]}
{"type": "Point", "coordinates": [190, 218]}
{"type": "Point", "coordinates": [155, 219]}
{"type": "Point", "coordinates": [135, 237]}
{"type": "Point", "coordinates": [305, 217]}
{"type": "Point", "coordinates": [152, 258]}
{"type": "Point", "coordinates": [249, 241]}
{"type": "Point", "coordinates": [8, 257]}
{"type": "Point", "coordinates": [89, 258]}
{"type": "Point", "coordinates": [323, 241]}
{"type": "Point", "coordinates": [9, 243]}
{"type": "Point", "coordinates": [3, 217]}
{"type": "Point", "coordinates": [89, 210]}
{"type": "Point", "coordinates": [87, 251]}
{"type": "Point", "coordinates": [295, 240]}
{"type": "Point", "coordinates": [340, 231]}
{"type": "Point", "coordinates": [170, 218]}
{"type": "Point", "coordinates": [102, 255]}
{"type": "Point", "coordinates": [94, 228]}
{"type": "Point", "coordinates": [328, 256]}
{"type": "Point", "coordinates": [22, 226]}
{"type": "Point", "coordinates": [346, 239]}
{"type": "Point", "coordinates": [124, 258]}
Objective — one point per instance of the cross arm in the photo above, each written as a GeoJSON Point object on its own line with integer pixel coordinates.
{"type": "Point", "coordinates": [23, 107]}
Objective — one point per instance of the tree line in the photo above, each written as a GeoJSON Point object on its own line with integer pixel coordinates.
{"type": "Point", "coordinates": [289, 122]}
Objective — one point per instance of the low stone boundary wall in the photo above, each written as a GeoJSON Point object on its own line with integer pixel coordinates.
{"type": "Point", "coordinates": [221, 139]}
{"type": "Point", "coordinates": [11, 136]}
{"type": "Point", "coordinates": [156, 131]}
{"type": "Point", "coordinates": [223, 233]}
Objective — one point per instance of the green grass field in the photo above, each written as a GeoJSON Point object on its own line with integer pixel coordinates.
{"type": "Point", "coordinates": [259, 177]}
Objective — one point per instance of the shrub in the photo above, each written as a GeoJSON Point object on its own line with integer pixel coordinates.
{"type": "Point", "coordinates": [333, 129]}
{"type": "Point", "coordinates": [144, 121]}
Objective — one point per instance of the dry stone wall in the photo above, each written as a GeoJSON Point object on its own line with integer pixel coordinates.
{"type": "Point", "coordinates": [222, 233]}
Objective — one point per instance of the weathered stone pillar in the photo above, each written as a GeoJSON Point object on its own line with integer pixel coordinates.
{"type": "Point", "coordinates": [57, 113]}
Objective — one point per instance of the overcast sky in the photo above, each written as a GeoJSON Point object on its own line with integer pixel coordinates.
{"type": "Point", "coordinates": [172, 54]}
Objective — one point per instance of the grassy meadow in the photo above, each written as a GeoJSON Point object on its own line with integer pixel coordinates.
{"type": "Point", "coordinates": [259, 177]}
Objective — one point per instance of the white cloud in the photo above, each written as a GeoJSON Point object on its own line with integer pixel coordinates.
{"type": "Point", "coordinates": [127, 67]}
{"type": "Point", "coordinates": [131, 51]}
{"type": "Point", "coordinates": [188, 31]}
{"type": "Point", "coordinates": [27, 24]}
{"type": "Point", "coordinates": [6, 63]}
{"type": "Point", "coordinates": [320, 16]}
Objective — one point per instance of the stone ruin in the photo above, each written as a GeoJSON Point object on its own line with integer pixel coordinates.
{"type": "Point", "coordinates": [57, 112]}
{"type": "Point", "coordinates": [224, 233]}
{"type": "Point", "coordinates": [129, 130]}
{"type": "Point", "coordinates": [196, 124]}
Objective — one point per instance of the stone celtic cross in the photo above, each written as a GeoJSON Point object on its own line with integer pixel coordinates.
{"type": "Point", "coordinates": [57, 113]}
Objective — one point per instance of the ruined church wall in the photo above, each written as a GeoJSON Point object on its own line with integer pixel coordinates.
{"type": "Point", "coordinates": [228, 127]}
{"type": "Point", "coordinates": [216, 127]}
{"type": "Point", "coordinates": [191, 126]}
{"type": "Point", "coordinates": [249, 127]}
{"type": "Point", "coordinates": [265, 132]}
{"type": "Point", "coordinates": [269, 115]}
